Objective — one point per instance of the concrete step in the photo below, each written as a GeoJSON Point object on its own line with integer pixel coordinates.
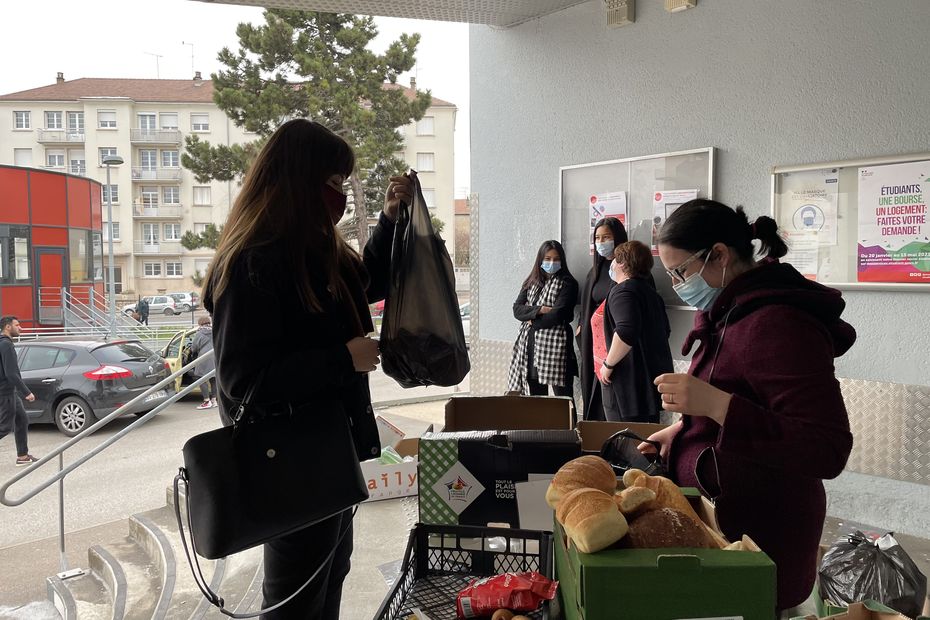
{"type": "Point", "coordinates": [84, 597]}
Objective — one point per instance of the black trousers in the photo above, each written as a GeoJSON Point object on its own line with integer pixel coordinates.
{"type": "Point", "coordinates": [538, 389]}
{"type": "Point", "coordinates": [13, 417]}
{"type": "Point", "coordinates": [291, 559]}
{"type": "Point", "coordinates": [208, 389]}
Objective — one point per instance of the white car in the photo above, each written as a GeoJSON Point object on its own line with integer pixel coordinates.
{"type": "Point", "coordinates": [164, 304]}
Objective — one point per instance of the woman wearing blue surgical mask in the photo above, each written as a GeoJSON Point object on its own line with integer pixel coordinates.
{"type": "Point", "coordinates": [763, 417]}
{"type": "Point", "coordinates": [608, 234]}
{"type": "Point", "coordinates": [543, 354]}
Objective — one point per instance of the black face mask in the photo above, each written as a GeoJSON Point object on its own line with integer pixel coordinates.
{"type": "Point", "coordinates": [335, 202]}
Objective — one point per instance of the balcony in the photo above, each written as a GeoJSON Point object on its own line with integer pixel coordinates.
{"type": "Point", "coordinates": [155, 174]}
{"type": "Point", "coordinates": [157, 247]}
{"type": "Point", "coordinates": [155, 136]}
{"type": "Point", "coordinates": [149, 210]}
{"type": "Point", "coordinates": [60, 136]}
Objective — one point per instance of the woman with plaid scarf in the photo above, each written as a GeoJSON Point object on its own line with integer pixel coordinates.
{"type": "Point", "coordinates": [543, 354]}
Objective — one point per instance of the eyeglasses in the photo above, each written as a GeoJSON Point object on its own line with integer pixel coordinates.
{"type": "Point", "coordinates": [621, 450]}
{"type": "Point", "coordinates": [677, 274]}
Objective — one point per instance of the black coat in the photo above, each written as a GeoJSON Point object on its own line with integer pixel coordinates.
{"type": "Point", "coordinates": [635, 312]}
{"type": "Point", "coordinates": [260, 323]}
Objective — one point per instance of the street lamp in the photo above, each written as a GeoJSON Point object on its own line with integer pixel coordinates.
{"type": "Point", "coordinates": [111, 160]}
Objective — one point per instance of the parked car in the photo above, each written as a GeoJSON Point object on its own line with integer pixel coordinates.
{"type": "Point", "coordinates": [377, 308]}
{"type": "Point", "coordinates": [157, 303]}
{"type": "Point", "coordinates": [78, 382]}
{"type": "Point", "coordinates": [177, 354]}
{"type": "Point", "coordinates": [465, 313]}
{"type": "Point", "coordinates": [185, 302]}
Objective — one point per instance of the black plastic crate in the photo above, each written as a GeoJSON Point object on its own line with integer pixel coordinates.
{"type": "Point", "coordinates": [442, 559]}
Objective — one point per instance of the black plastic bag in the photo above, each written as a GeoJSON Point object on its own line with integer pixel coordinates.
{"type": "Point", "coordinates": [857, 568]}
{"type": "Point", "coordinates": [422, 339]}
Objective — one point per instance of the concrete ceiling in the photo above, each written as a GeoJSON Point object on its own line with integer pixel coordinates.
{"type": "Point", "coordinates": [491, 12]}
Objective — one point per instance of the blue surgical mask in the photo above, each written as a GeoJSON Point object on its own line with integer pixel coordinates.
{"type": "Point", "coordinates": [551, 267]}
{"type": "Point", "coordinates": [695, 291]}
{"type": "Point", "coordinates": [605, 248]}
{"type": "Point", "coordinates": [611, 272]}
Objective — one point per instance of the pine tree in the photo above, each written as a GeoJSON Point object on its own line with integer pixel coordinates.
{"type": "Point", "coordinates": [308, 64]}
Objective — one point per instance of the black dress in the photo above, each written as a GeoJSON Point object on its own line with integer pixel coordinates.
{"type": "Point", "coordinates": [636, 313]}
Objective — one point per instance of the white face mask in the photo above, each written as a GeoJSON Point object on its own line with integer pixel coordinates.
{"type": "Point", "coordinates": [612, 271]}
{"type": "Point", "coordinates": [605, 248]}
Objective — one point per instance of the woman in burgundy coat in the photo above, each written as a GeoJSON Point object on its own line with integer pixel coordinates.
{"type": "Point", "coordinates": [764, 420]}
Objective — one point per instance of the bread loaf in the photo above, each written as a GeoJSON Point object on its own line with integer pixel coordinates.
{"type": "Point", "coordinates": [591, 519]}
{"type": "Point", "coordinates": [668, 495]}
{"type": "Point", "coordinates": [630, 476]}
{"type": "Point", "coordinates": [667, 527]}
{"type": "Point", "coordinates": [586, 472]}
{"type": "Point", "coordinates": [634, 499]}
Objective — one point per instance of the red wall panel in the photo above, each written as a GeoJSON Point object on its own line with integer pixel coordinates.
{"type": "Point", "coordinates": [96, 217]}
{"type": "Point", "coordinates": [78, 203]}
{"type": "Point", "coordinates": [54, 237]}
{"type": "Point", "coordinates": [14, 199]}
{"type": "Point", "coordinates": [48, 198]}
{"type": "Point", "coordinates": [17, 300]}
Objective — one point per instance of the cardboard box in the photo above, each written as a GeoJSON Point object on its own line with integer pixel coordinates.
{"type": "Point", "coordinates": [392, 481]}
{"type": "Point", "coordinates": [594, 434]}
{"type": "Point", "coordinates": [664, 584]}
{"type": "Point", "coordinates": [469, 473]}
{"type": "Point", "coordinates": [867, 610]}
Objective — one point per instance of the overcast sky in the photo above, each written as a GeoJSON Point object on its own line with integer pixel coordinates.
{"type": "Point", "coordinates": [117, 38]}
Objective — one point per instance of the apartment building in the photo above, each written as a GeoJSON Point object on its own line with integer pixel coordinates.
{"type": "Point", "coordinates": [71, 125]}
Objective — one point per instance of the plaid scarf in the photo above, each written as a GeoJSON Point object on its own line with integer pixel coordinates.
{"type": "Point", "coordinates": [551, 345]}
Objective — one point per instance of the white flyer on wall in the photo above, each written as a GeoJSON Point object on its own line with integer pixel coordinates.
{"type": "Point", "coordinates": [803, 252]}
{"type": "Point", "coordinates": [608, 204]}
{"type": "Point", "coordinates": [810, 204]}
{"type": "Point", "coordinates": [664, 203]}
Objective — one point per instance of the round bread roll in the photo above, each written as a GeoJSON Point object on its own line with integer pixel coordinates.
{"type": "Point", "coordinates": [635, 499]}
{"type": "Point", "coordinates": [667, 527]}
{"type": "Point", "coordinates": [631, 475]}
{"type": "Point", "coordinates": [586, 472]}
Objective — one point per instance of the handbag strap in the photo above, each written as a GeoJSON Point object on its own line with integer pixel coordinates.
{"type": "Point", "coordinates": [247, 399]}
{"type": "Point", "coordinates": [215, 599]}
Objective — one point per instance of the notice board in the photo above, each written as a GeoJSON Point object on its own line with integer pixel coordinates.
{"type": "Point", "coordinates": [641, 191]}
{"type": "Point", "coordinates": [857, 224]}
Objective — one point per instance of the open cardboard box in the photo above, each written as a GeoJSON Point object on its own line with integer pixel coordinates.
{"type": "Point", "coordinates": [509, 413]}
{"type": "Point", "coordinates": [393, 480]}
{"type": "Point", "coordinates": [867, 610]}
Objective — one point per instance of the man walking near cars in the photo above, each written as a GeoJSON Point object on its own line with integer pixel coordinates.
{"type": "Point", "coordinates": [12, 412]}
{"type": "Point", "coordinates": [202, 343]}
{"type": "Point", "coordinates": [142, 307]}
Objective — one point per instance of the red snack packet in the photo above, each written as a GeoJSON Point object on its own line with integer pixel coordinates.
{"type": "Point", "coordinates": [513, 591]}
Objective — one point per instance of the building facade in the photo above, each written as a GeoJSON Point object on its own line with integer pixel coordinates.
{"type": "Point", "coordinates": [70, 126]}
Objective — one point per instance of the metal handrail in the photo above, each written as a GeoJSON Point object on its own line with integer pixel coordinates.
{"type": "Point", "coordinates": [7, 501]}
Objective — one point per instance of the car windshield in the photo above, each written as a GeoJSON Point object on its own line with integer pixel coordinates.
{"type": "Point", "coordinates": [122, 352]}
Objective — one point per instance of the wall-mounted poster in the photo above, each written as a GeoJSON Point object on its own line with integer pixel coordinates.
{"type": "Point", "coordinates": [664, 203]}
{"type": "Point", "coordinates": [811, 203]}
{"type": "Point", "coordinates": [894, 234]}
{"type": "Point", "coordinates": [609, 204]}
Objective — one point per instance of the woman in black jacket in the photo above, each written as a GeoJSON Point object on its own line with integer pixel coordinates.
{"type": "Point", "coordinates": [608, 234]}
{"type": "Point", "coordinates": [543, 355]}
{"type": "Point", "coordinates": [289, 300]}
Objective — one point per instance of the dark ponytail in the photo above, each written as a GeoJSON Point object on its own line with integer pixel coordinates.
{"type": "Point", "coordinates": [699, 224]}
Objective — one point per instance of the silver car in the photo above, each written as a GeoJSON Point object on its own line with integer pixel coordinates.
{"type": "Point", "coordinates": [164, 304]}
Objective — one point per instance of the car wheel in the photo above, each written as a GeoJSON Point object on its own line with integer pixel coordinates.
{"type": "Point", "coordinates": [185, 308]}
{"type": "Point", "coordinates": [169, 312]}
{"type": "Point", "coordinates": [73, 415]}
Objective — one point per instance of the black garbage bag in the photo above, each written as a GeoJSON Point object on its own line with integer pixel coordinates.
{"type": "Point", "coordinates": [422, 339]}
{"type": "Point", "coordinates": [857, 568]}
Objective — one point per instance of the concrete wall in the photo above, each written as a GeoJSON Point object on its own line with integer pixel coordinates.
{"type": "Point", "coordinates": [765, 82]}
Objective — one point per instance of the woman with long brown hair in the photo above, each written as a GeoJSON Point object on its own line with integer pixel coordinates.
{"type": "Point", "coordinates": [289, 299]}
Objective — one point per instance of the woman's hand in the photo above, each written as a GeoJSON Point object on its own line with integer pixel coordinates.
{"type": "Point", "coordinates": [545, 309]}
{"type": "Point", "coordinates": [691, 396]}
{"type": "Point", "coordinates": [364, 352]}
{"type": "Point", "coordinates": [664, 438]}
{"type": "Point", "coordinates": [400, 189]}
{"type": "Point", "coordinates": [605, 374]}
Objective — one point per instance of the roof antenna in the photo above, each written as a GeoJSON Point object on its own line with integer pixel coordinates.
{"type": "Point", "coordinates": [192, 54]}
{"type": "Point", "coordinates": [157, 70]}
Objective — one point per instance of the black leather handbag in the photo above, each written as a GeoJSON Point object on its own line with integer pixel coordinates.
{"type": "Point", "coordinates": [273, 472]}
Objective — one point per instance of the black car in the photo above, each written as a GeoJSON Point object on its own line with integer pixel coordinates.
{"type": "Point", "coordinates": [77, 382]}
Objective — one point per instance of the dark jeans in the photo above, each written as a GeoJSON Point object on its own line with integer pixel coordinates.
{"type": "Point", "coordinates": [13, 416]}
{"type": "Point", "coordinates": [208, 389]}
{"type": "Point", "coordinates": [291, 559]}
{"type": "Point", "coordinates": [538, 389]}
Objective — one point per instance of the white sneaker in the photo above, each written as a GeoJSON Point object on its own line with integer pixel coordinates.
{"type": "Point", "coordinates": [204, 405]}
{"type": "Point", "coordinates": [213, 402]}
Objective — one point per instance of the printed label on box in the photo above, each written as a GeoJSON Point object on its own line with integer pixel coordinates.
{"type": "Point", "coordinates": [458, 488]}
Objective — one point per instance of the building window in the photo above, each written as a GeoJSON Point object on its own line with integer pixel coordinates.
{"type": "Point", "coordinates": [425, 162]}
{"type": "Point", "coordinates": [75, 122]}
{"type": "Point", "coordinates": [22, 120]}
{"type": "Point", "coordinates": [14, 254]}
{"type": "Point", "coordinates": [105, 151]}
{"type": "Point", "coordinates": [172, 233]}
{"type": "Point", "coordinates": [106, 119]}
{"type": "Point", "coordinates": [110, 192]}
{"type": "Point", "coordinates": [22, 157]}
{"type": "Point", "coordinates": [107, 227]}
{"type": "Point", "coordinates": [173, 269]}
{"type": "Point", "coordinates": [200, 227]}
{"type": "Point", "coordinates": [148, 159]}
{"type": "Point", "coordinates": [171, 195]}
{"type": "Point", "coordinates": [53, 120]}
{"type": "Point", "coordinates": [425, 126]}
{"type": "Point", "coordinates": [76, 163]}
{"type": "Point", "coordinates": [169, 120]}
{"type": "Point", "coordinates": [150, 234]}
{"type": "Point", "coordinates": [170, 159]}
{"type": "Point", "coordinates": [151, 270]}
{"type": "Point", "coordinates": [147, 122]}
{"type": "Point", "coordinates": [149, 197]}
{"type": "Point", "coordinates": [117, 279]}
{"type": "Point", "coordinates": [200, 122]}
{"type": "Point", "coordinates": [55, 159]}
{"type": "Point", "coordinates": [82, 259]}
{"type": "Point", "coordinates": [429, 195]}
{"type": "Point", "coordinates": [202, 196]}
{"type": "Point", "coordinates": [97, 255]}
